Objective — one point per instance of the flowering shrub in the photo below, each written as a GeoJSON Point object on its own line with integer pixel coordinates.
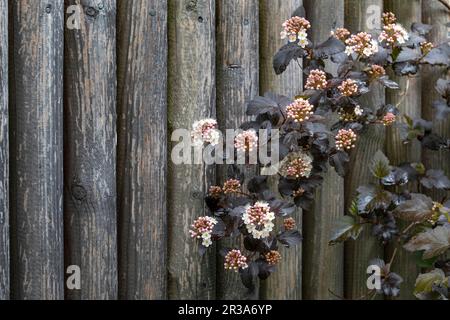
{"type": "Point", "coordinates": [308, 145]}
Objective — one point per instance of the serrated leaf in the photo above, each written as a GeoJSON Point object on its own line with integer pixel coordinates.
{"type": "Point", "coordinates": [421, 28]}
{"type": "Point", "coordinates": [329, 47]}
{"type": "Point", "coordinates": [438, 56]}
{"type": "Point", "coordinates": [426, 281]}
{"type": "Point", "coordinates": [285, 55]}
{"type": "Point", "coordinates": [418, 208]}
{"type": "Point", "coordinates": [290, 238]}
{"type": "Point", "coordinates": [385, 81]}
{"type": "Point", "coordinates": [442, 109]}
{"type": "Point", "coordinates": [409, 55]}
{"type": "Point", "coordinates": [435, 179]}
{"type": "Point", "coordinates": [434, 242]}
{"type": "Point", "coordinates": [346, 228]}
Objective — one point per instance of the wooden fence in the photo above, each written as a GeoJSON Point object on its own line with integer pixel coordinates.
{"type": "Point", "coordinates": [88, 101]}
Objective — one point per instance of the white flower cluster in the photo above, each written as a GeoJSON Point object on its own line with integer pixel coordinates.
{"type": "Point", "coordinates": [202, 229]}
{"type": "Point", "coordinates": [205, 131]}
{"type": "Point", "coordinates": [259, 219]}
{"type": "Point", "coordinates": [295, 29]}
{"type": "Point", "coordinates": [394, 33]}
{"type": "Point", "coordinates": [362, 44]}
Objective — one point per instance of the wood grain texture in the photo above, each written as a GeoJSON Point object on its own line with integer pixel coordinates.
{"type": "Point", "coordinates": [191, 97]}
{"type": "Point", "coordinates": [407, 12]}
{"type": "Point", "coordinates": [323, 269]}
{"type": "Point", "coordinates": [435, 14]}
{"type": "Point", "coordinates": [359, 15]}
{"type": "Point", "coordinates": [237, 83]}
{"type": "Point", "coordinates": [4, 154]}
{"type": "Point", "coordinates": [90, 150]}
{"type": "Point", "coordinates": [36, 151]}
{"type": "Point", "coordinates": [286, 282]}
{"type": "Point", "coordinates": [142, 151]}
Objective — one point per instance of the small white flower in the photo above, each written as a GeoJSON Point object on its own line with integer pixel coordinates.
{"type": "Point", "coordinates": [302, 35]}
{"type": "Point", "coordinates": [303, 43]}
{"type": "Point", "coordinates": [358, 111]}
{"type": "Point", "coordinates": [349, 50]}
{"type": "Point", "coordinates": [292, 38]}
{"type": "Point", "coordinates": [283, 35]}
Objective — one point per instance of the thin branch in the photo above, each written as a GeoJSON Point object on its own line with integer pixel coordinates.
{"type": "Point", "coordinates": [445, 3]}
{"type": "Point", "coordinates": [404, 93]}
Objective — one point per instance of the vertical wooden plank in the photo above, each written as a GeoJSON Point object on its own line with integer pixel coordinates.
{"type": "Point", "coordinates": [90, 149]}
{"type": "Point", "coordinates": [237, 83]}
{"type": "Point", "coordinates": [4, 154]}
{"type": "Point", "coordinates": [286, 282]}
{"type": "Point", "coordinates": [359, 16]}
{"type": "Point", "coordinates": [323, 265]}
{"type": "Point", "coordinates": [142, 148]}
{"type": "Point", "coordinates": [407, 12]}
{"type": "Point", "coordinates": [191, 97]}
{"type": "Point", "coordinates": [36, 151]}
{"type": "Point", "coordinates": [435, 14]}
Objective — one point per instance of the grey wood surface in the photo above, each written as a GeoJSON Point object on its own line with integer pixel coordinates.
{"type": "Point", "coordinates": [142, 148]}
{"type": "Point", "coordinates": [37, 151]}
{"type": "Point", "coordinates": [4, 154]}
{"type": "Point", "coordinates": [90, 150]}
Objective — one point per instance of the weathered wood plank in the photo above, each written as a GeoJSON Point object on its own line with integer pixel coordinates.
{"type": "Point", "coordinates": [438, 16]}
{"type": "Point", "coordinates": [36, 151]}
{"type": "Point", "coordinates": [407, 12]}
{"type": "Point", "coordinates": [323, 265]}
{"type": "Point", "coordinates": [191, 97]}
{"type": "Point", "coordinates": [4, 154]}
{"type": "Point", "coordinates": [90, 150]}
{"type": "Point", "coordinates": [142, 148]}
{"type": "Point", "coordinates": [237, 83]}
{"type": "Point", "coordinates": [286, 282]}
{"type": "Point", "coordinates": [360, 15]}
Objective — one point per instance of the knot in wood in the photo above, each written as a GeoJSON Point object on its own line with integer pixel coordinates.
{"type": "Point", "coordinates": [192, 5]}
{"type": "Point", "coordinates": [92, 12]}
{"type": "Point", "coordinates": [79, 192]}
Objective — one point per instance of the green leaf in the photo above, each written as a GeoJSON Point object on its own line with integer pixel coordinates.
{"type": "Point", "coordinates": [353, 210]}
{"type": "Point", "coordinates": [425, 282]}
{"type": "Point", "coordinates": [380, 165]}
{"type": "Point", "coordinates": [346, 228]}
{"type": "Point", "coordinates": [434, 242]}
{"type": "Point", "coordinates": [418, 208]}
{"type": "Point", "coordinates": [424, 263]}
